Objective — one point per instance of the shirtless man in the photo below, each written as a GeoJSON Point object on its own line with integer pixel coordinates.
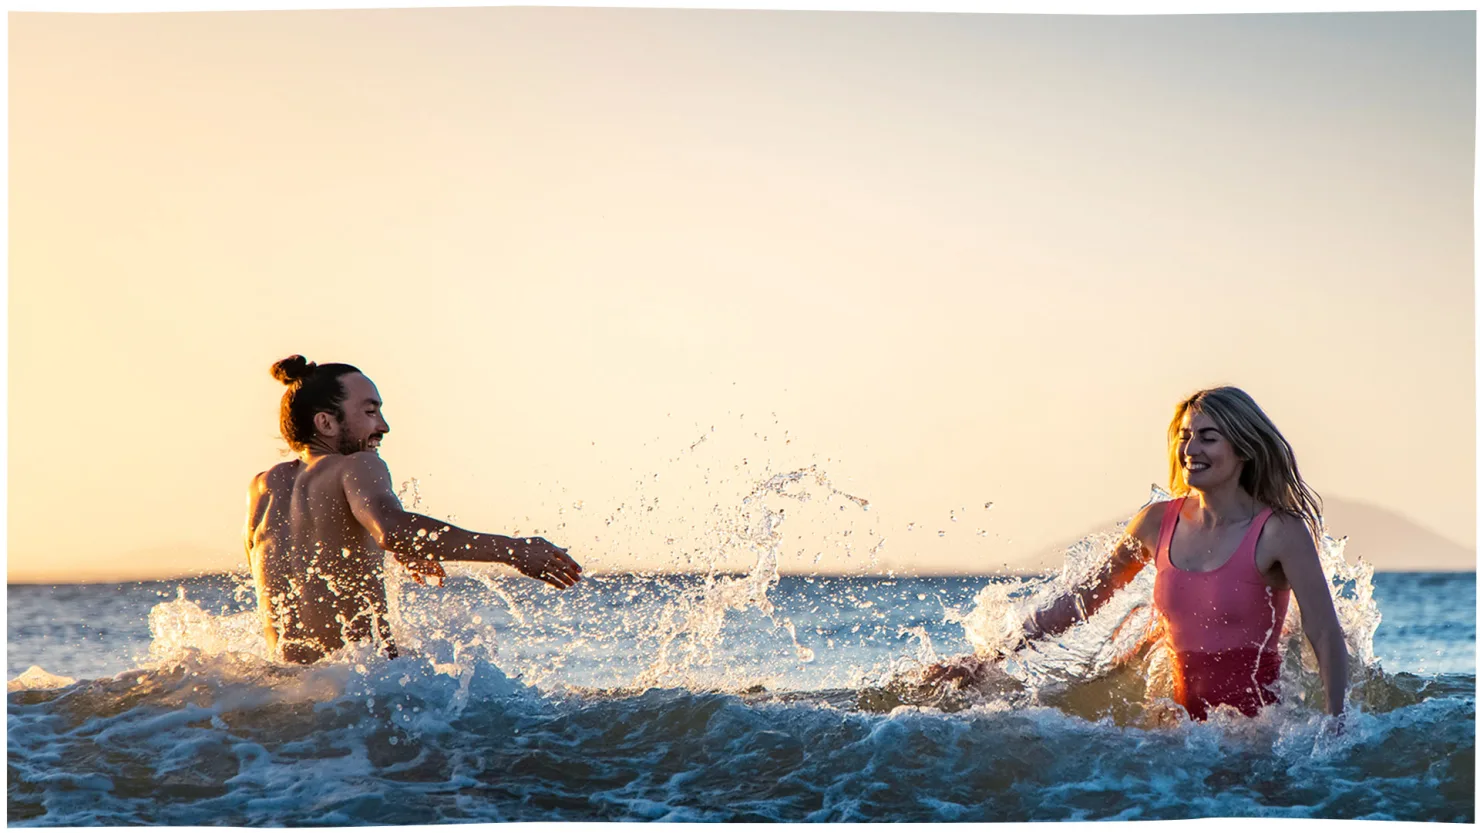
{"type": "Point", "coordinates": [318, 527]}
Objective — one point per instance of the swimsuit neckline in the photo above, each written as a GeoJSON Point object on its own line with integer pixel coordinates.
{"type": "Point", "coordinates": [1176, 509]}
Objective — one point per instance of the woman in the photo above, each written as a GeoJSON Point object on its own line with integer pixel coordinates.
{"type": "Point", "coordinates": [1238, 538]}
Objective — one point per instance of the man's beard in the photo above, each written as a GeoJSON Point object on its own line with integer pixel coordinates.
{"type": "Point", "coordinates": [350, 445]}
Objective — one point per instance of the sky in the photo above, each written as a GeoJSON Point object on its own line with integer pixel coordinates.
{"type": "Point", "coordinates": [611, 269]}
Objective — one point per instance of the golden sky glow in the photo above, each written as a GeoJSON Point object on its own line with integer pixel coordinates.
{"type": "Point", "coordinates": [950, 259]}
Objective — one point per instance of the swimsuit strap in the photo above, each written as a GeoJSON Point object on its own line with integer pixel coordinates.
{"type": "Point", "coordinates": [1251, 538]}
{"type": "Point", "coordinates": [1168, 525]}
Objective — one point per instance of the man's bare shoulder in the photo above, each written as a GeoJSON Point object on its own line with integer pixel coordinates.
{"type": "Point", "coordinates": [277, 474]}
{"type": "Point", "coordinates": [365, 481]}
{"type": "Point", "coordinates": [362, 462]}
{"type": "Point", "coordinates": [362, 470]}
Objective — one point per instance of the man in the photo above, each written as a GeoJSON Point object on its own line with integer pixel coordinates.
{"type": "Point", "coordinates": [318, 527]}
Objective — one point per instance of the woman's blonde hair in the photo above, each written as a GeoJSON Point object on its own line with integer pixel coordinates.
{"type": "Point", "coordinates": [1269, 474]}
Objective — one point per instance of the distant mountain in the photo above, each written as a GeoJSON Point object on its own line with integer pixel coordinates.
{"type": "Point", "coordinates": [1381, 537]}
{"type": "Point", "coordinates": [1391, 541]}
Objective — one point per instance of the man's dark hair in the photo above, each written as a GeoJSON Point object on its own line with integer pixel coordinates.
{"type": "Point", "coordinates": [311, 388]}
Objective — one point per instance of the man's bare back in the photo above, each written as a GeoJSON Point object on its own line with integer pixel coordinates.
{"type": "Point", "coordinates": [318, 528]}
{"type": "Point", "coordinates": [318, 572]}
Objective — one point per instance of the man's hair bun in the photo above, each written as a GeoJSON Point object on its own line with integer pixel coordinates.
{"type": "Point", "coordinates": [312, 389]}
{"type": "Point", "coordinates": [292, 369]}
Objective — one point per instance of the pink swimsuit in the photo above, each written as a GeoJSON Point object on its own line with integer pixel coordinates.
{"type": "Point", "coordinates": [1223, 625]}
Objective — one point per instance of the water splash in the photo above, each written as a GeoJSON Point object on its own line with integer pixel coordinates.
{"type": "Point", "coordinates": [682, 631]}
{"type": "Point", "coordinates": [180, 626]}
{"type": "Point", "coordinates": [37, 678]}
{"type": "Point", "coordinates": [688, 632]}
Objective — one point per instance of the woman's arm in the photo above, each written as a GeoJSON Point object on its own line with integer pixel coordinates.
{"type": "Point", "coordinates": [1130, 555]}
{"type": "Point", "coordinates": [1301, 563]}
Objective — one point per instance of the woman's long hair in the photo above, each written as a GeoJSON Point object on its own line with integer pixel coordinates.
{"type": "Point", "coordinates": [1269, 474]}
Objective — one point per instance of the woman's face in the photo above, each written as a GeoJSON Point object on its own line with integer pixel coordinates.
{"type": "Point", "coordinates": [1207, 458]}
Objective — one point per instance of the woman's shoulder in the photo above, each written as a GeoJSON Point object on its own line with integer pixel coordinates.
{"type": "Point", "coordinates": [1285, 535]}
{"type": "Point", "coordinates": [1283, 525]}
{"type": "Point", "coordinates": [1146, 524]}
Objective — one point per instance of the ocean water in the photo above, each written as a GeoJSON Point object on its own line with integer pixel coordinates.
{"type": "Point", "coordinates": [712, 697]}
{"type": "Point", "coordinates": [557, 707]}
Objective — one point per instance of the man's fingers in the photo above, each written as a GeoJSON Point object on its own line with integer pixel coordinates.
{"type": "Point", "coordinates": [553, 566]}
{"type": "Point", "coordinates": [561, 562]}
{"type": "Point", "coordinates": [561, 576]}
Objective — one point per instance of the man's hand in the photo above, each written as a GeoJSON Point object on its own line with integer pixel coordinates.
{"type": "Point", "coordinates": [420, 568]}
{"type": "Point", "coordinates": [538, 558]}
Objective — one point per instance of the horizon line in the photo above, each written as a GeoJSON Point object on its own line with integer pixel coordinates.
{"type": "Point", "coordinates": [645, 573]}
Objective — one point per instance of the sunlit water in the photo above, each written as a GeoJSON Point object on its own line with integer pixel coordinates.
{"type": "Point", "coordinates": [741, 697]}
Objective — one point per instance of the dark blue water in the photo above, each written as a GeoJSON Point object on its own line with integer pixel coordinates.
{"type": "Point", "coordinates": [666, 698]}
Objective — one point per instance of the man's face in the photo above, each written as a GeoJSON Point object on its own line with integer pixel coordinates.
{"type": "Point", "coordinates": [363, 425]}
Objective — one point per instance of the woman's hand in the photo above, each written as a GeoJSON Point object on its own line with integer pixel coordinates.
{"type": "Point", "coordinates": [957, 673]}
{"type": "Point", "coordinates": [968, 669]}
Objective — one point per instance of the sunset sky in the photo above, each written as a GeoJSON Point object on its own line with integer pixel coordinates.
{"type": "Point", "coordinates": [948, 259]}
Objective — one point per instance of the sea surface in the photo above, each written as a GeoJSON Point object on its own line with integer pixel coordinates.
{"type": "Point", "coordinates": [528, 705]}
{"type": "Point", "coordinates": [717, 697]}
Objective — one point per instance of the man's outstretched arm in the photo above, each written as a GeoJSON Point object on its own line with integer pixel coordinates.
{"type": "Point", "coordinates": [367, 486]}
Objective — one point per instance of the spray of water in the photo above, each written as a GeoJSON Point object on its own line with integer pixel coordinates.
{"type": "Point", "coordinates": [678, 629]}
{"type": "Point", "coordinates": [689, 631]}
